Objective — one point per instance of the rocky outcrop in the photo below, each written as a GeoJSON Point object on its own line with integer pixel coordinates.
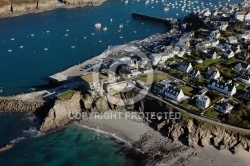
{"type": "Point", "coordinates": [81, 3]}
{"type": "Point", "coordinates": [9, 105]}
{"type": "Point", "coordinates": [22, 7]}
{"type": "Point", "coordinates": [201, 134]}
{"type": "Point", "coordinates": [59, 115]}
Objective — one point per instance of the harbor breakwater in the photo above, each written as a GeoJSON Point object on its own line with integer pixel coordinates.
{"type": "Point", "coordinates": [13, 105]}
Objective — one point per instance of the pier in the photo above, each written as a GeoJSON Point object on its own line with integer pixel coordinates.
{"type": "Point", "coordinates": [169, 22]}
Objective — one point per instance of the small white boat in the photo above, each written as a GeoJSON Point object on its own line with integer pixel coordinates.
{"type": "Point", "coordinates": [121, 37]}
{"type": "Point", "coordinates": [85, 37]}
{"type": "Point", "coordinates": [66, 35]}
{"type": "Point", "coordinates": [46, 49]}
{"type": "Point", "coordinates": [48, 31]}
{"type": "Point", "coordinates": [67, 30]}
{"type": "Point", "coordinates": [9, 50]}
{"type": "Point", "coordinates": [92, 34]}
{"type": "Point", "coordinates": [12, 39]}
{"type": "Point", "coordinates": [100, 41]}
{"type": "Point", "coordinates": [121, 26]}
{"type": "Point", "coordinates": [105, 29]}
{"type": "Point", "coordinates": [32, 35]}
{"type": "Point", "coordinates": [20, 46]}
{"type": "Point", "coordinates": [111, 20]}
{"type": "Point", "coordinates": [98, 25]}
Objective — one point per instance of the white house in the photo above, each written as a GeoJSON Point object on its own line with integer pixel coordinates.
{"type": "Point", "coordinates": [215, 34]}
{"type": "Point", "coordinates": [206, 13]}
{"type": "Point", "coordinates": [245, 35]}
{"type": "Point", "coordinates": [224, 107]}
{"type": "Point", "coordinates": [232, 40]}
{"type": "Point", "coordinates": [155, 58]}
{"type": "Point", "coordinates": [185, 67]}
{"type": "Point", "coordinates": [228, 54]}
{"type": "Point", "coordinates": [202, 101]}
{"type": "Point", "coordinates": [241, 66]}
{"type": "Point", "coordinates": [174, 93]}
{"type": "Point", "coordinates": [245, 77]}
{"type": "Point", "coordinates": [213, 73]}
{"type": "Point", "coordinates": [225, 88]}
{"type": "Point", "coordinates": [127, 71]}
{"type": "Point", "coordinates": [240, 15]}
{"type": "Point", "coordinates": [195, 74]}
{"type": "Point", "coordinates": [246, 2]}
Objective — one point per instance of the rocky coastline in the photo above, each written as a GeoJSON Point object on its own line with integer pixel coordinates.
{"type": "Point", "coordinates": [170, 137]}
{"type": "Point", "coordinates": [187, 131]}
{"type": "Point", "coordinates": [17, 9]}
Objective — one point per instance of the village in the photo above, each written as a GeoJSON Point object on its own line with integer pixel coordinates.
{"type": "Point", "coordinates": [202, 66]}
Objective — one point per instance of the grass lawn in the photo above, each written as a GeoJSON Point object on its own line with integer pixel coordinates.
{"type": "Point", "coordinates": [212, 113]}
{"type": "Point", "coordinates": [187, 90]}
{"type": "Point", "coordinates": [241, 86]}
{"type": "Point", "coordinates": [209, 62]}
{"type": "Point", "coordinates": [156, 77]}
{"type": "Point", "coordinates": [66, 95]}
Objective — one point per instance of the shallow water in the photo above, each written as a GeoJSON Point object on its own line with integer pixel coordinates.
{"type": "Point", "coordinates": [72, 146]}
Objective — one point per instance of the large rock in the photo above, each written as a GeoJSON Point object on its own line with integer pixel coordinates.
{"type": "Point", "coordinates": [59, 115]}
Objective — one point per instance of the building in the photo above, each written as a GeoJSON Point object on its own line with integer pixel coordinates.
{"type": "Point", "coordinates": [224, 107]}
{"type": "Point", "coordinates": [185, 67]}
{"type": "Point", "coordinates": [246, 94]}
{"type": "Point", "coordinates": [241, 66]}
{"type": "Point", "coordinates": [246, 2]}
{"type": "Point", "coordinates": [222, 87]}
{"type": "Point", "coordinates": [215, 34]}
{"type": "Point", "coordinates": [155, 58]}
{"type": "Point", "coordinates": [174, 93]}
{"type": "Point", "coordinates": [243, 56]}
{"type": "Point", "coordinates": [232, 40]}
{"type": "Point", "coordinates": [247, 17]}
{"type": "Point", "coordinates": [245, 35]}
{"type": "Point", "coordinates": [159, 88]}
{"type": "Point", "coordinates": [228, 54]}
{"type": "Point", "coordinates": [195, 74]}
{"type": "Point", "coordinates": [127, 71]}
{"type": "Point", "coordinates": [213, 73]}
{"type": "Point", "coordinates": [202, 101]}
{"type": "Point", "coordinates": [245, 77]}
{"type": "Point", "coordinates": [95, 81]}
{"type": "Point", "coordinates": [117, 86]}
{"type": "Point", "coordinates": [240, 15]}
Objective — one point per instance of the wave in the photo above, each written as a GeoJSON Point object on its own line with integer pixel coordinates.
{"type": "Point", "coordinates": [105, 133]}
{"type": "Point", "coordinates": [16, 140]}
{"type": "Point", "coordinates": [32, 133]}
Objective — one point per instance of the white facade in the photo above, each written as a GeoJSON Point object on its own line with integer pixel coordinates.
{"type": "Point", "coordinates": [155, 58]}
{"type": "Point", "coordinates": [202, 101]}
{"type": "Point", "coordinates": [175, 96]}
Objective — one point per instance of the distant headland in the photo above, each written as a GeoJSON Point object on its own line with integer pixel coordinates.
{"type": "Point", "coordinates": [12, 8]}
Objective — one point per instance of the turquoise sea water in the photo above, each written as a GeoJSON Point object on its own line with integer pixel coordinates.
{"type": "Point", "coordinates": [72, 146]}
{"type": "Point", "coordinates": [31, 65]}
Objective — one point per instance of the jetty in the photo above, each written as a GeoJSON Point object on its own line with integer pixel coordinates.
{"type": "Point", "coordinates": [169, 22]}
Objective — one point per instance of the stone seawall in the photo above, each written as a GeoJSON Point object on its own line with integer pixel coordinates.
{"type": "Point", "coordinates": [12, 105]}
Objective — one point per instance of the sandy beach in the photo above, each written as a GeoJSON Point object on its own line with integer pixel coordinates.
{"type": "Point", "coordinates": [148, 140]}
